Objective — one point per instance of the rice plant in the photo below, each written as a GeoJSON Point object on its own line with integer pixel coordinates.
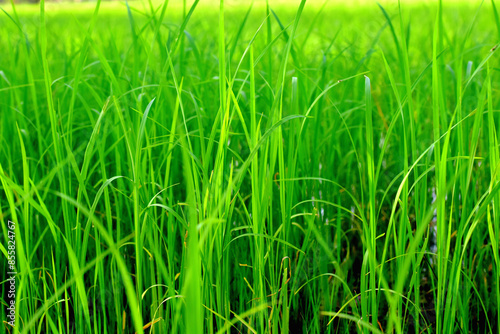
{"type": "Point", "coordinates": [250, 167]}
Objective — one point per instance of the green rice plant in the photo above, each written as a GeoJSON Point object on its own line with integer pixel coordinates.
{"type": "Point", "coordinates": [267, 167]}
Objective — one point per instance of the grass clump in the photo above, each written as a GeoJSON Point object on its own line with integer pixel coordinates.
{"type": "Point", "coordinates": [267, 168]}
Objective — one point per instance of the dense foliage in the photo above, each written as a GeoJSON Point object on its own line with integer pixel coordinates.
{"type": "Point", "coordinates": [275, 168]}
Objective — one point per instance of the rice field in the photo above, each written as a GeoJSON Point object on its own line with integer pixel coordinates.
{"type": "Point", "coordinates": [250, 167]}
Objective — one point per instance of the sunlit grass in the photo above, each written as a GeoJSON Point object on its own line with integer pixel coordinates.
{"type": "Point", "coordinates": [222, 167]}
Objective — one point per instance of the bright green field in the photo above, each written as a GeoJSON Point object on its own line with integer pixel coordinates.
{"type": "Point", "coordinates": [282, 168]}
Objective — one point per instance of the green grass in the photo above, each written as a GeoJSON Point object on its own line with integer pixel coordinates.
{"type": "Point", "coordinates": [267, 167]}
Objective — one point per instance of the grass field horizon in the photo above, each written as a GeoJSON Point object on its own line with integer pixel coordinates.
{"type": "Point", "coordinates": [250, 167]}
